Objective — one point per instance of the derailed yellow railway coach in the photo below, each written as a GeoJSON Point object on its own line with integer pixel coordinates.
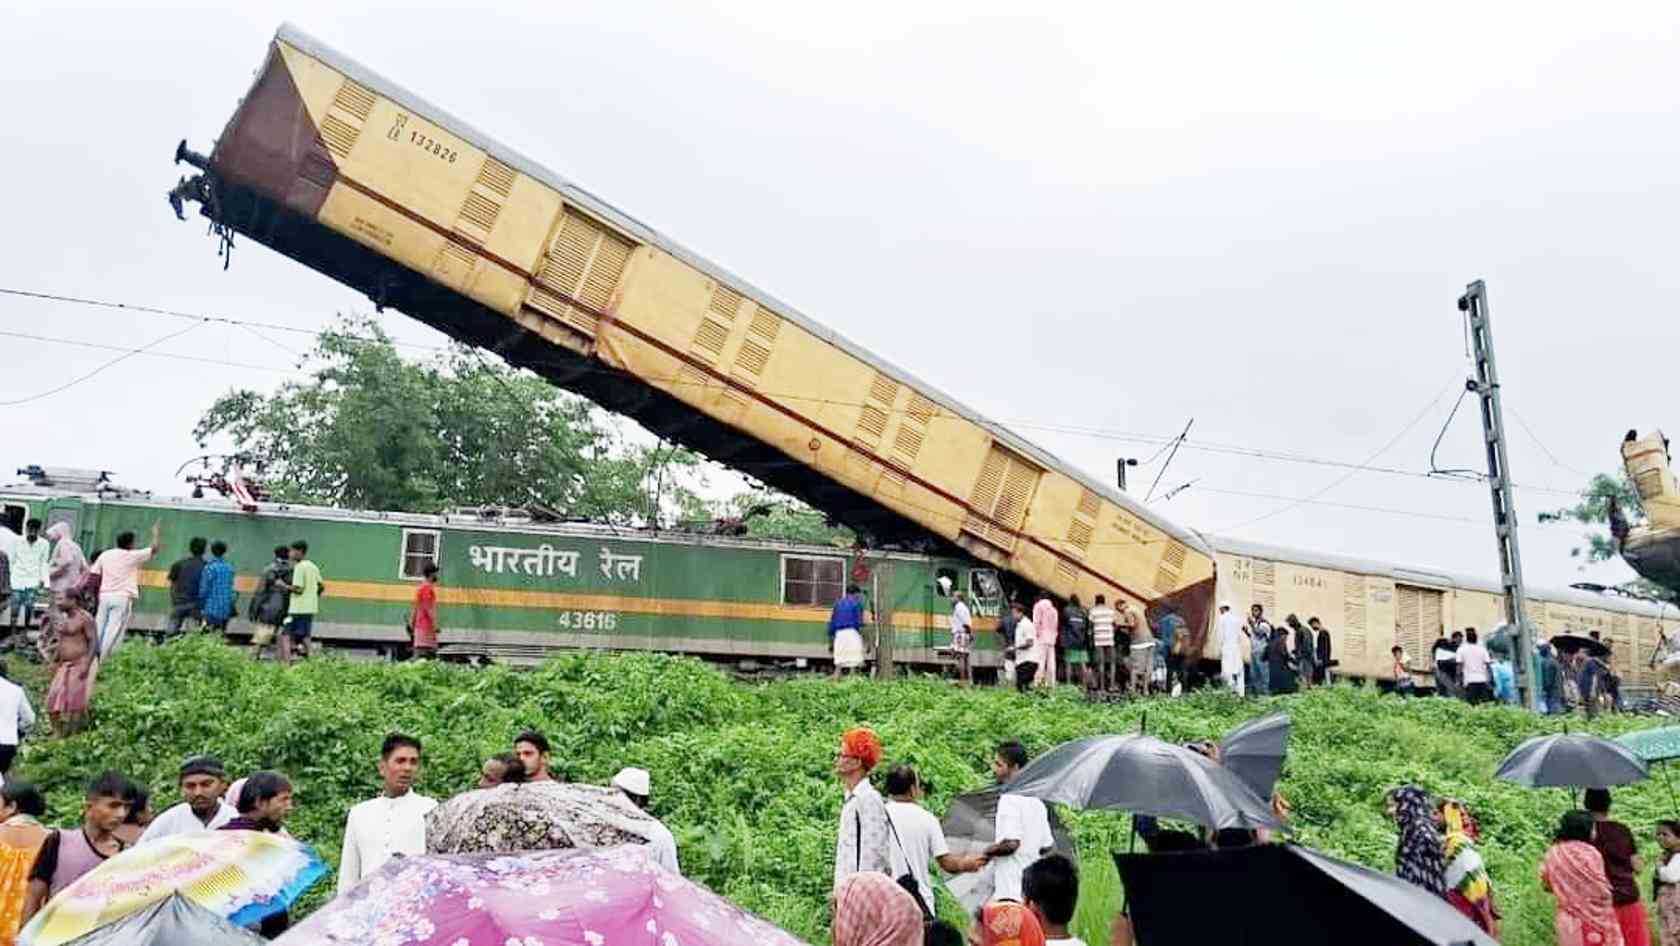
{"type": "Point", "coordinates": [1370, 606]}
{"type": "Point", "coordinates": [348, 173]}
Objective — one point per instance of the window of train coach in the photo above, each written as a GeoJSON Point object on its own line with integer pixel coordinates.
{"type": "Point", "coordinates": [816, 580]}
{"type": "Point", "coordinates": [12, 517]}
{"type": "Point", "coordinates": [420, 547]}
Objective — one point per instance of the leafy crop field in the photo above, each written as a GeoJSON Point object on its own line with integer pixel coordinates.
{"type": "Point", "coordinates": [741, 773]}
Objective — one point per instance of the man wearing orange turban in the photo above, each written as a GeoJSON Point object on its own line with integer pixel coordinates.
{"type": "Point", "coordinates": [864, 837]}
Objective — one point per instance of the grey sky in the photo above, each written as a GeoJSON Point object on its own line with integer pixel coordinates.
{"type": "Point", "coordinates": [1108, 217]}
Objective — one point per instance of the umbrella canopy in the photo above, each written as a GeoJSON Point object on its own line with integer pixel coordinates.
{"type": "Point", "coordinates": [603, 896]}
{"type": "Point", "coordinates": [1255, 751]}
{"type": "Point", "coordinates": [1145, 776]}
{"type": "Point", "coordinates": [245, 876]}
{"type": "Point", "coordinates": [1653, 745]}
{"type": "Point", "coordinates": [170, 922]}
{"type": "Point", "coordinates": [535, 816]}
{"type": "Point", "coordinates": [970, 826]}
{"type": "Point", "coordinates": [1567, 644]}
{"type": "Point", "coordinates": [1571, 760]}
{"type": "Point", "coordinates": [1169, 896]}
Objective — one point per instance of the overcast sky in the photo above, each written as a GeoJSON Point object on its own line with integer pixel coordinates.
{"type": "Point", "coordinates": [1112, 217]}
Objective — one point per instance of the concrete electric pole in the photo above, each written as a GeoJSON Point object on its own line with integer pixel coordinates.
{"type": "Point", "coordinates": [1474, 305]}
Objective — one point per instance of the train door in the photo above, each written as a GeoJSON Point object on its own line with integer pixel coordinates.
{"type": "Point", "coordinates": [1417, 620]}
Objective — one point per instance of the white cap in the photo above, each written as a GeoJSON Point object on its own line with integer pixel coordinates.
{"type": "Point", "coordinates": [1225, 605]}
{"type": "Point", "coordinates": [634, 781]}
{"type": "Point", "coordinates": [945, 582]}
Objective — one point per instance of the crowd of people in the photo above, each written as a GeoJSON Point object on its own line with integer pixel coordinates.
{"type": "Point", "coordinates": [37, 862]}
{"type": "Point", "coordinates": [1591, 869]}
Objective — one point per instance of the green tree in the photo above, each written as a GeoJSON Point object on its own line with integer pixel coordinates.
{"type": "Point", "coordinates": [370, 430]}
{"type": "Point", "coordinates": [1593, 510]}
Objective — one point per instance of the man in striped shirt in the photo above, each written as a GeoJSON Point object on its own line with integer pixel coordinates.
{"type": "Point", "coordinates": [1102, 639]}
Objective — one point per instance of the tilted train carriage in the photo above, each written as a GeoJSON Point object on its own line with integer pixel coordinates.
{"type": "Point", "coordinates": [521, 589]}
{"type": "Point", "coordinates": [361, 179]}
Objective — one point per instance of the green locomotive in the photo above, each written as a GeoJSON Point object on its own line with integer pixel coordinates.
{"type": "Point", "coordinates": [517, 589]}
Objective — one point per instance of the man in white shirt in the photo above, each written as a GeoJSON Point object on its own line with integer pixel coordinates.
{"type": "Point", "coordinates": [203, 782]}
{"type": "Point", "coordinates": [962, 631]}
{"type": "Point", "coordinates": [1232, 661]}
{"type": "Point", "coordinates": [392, 825]}
{"type": "Point", "coordinates": [920, 839]}
{"type": "Point", "coordinates": [1022, 834]}
{"type": "Point", "coordinates": [637, 786]}
{"type": "Point", "coordinates": [864, 836]}
{"type": "Point", "coordinates": [1474, 663]}
{"type": "Point", "coordinates": [16, 715]}
{"type": "Point", "coordinates": [1026, 647]}
{"type": "Point", "coordinates": [29, 574]}
{"type": "Point", "coordinates": [1051, 889]}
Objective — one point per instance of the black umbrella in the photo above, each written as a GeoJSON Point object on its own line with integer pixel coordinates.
{"type": "Point", "coordinates": [170, 922]}
{"type": "Point", "coordinates": [1255, 751]}
{"type": "Point", "coordinates": [1568, 644]}
{"type": "Point", "coordinates": [1572, 760]}
{"type": "Point", "coordinates": [1145, 776]}
{"type": "Point", "coordinates": [970, 826]}
{"type": "Point", "coordinates": [1228, 896]}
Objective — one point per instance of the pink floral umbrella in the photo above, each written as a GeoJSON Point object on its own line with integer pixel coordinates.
{"type": "Point", "coordinates": [576, 897]}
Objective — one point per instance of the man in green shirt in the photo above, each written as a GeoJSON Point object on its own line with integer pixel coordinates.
{"type": "Point", "coordinates": [306, 602]}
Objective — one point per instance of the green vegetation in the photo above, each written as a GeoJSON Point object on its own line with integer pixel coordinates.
{"type": "Point", "coordinates": [741, 773]}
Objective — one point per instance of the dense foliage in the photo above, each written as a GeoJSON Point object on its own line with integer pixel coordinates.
{"type": "Point", "coordinates": [369, 429]}
{"type": "Point", "coordinates": [741, 773]}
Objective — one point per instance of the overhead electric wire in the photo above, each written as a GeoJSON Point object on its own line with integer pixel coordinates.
{"type": "Point", "coordinates": [1351, 473]}
{"type": "Point", "coordinates": [1162, 442]}
{"type": "Point", "coordinates": [130, 353]}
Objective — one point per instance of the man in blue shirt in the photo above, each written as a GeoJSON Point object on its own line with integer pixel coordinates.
{"type": "Point", "coordinates": [845, 631]}
{"type": "Point", "coordinates": [215, 588]}
{"type": "Point", "coordinates": [1165, 631]}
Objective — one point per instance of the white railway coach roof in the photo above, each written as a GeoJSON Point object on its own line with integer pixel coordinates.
{"type": "Point", "coordinates": [1427, 578]}
{"type": "Point", "coordinates": [572, 193]}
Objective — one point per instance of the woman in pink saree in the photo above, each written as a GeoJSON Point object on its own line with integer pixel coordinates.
{"type": "Point", "coordinates": [1573, 872]}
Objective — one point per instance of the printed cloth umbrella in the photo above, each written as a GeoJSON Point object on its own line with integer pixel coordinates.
{"type": "Point", "coordinates": [535, 816]}
{"type": "Point", "coordinates": [1572, 760]}
{"type": "Point", "coordinates": [1255, 751]}
{"type": "Point", "coordinates": [600, 897]}
{"type": "Point", "coordinates": [1223, 896]}
{"type": "Point", "coordinates": [970, 826]}
{"type": "Point", "coordinates": [1145, 776]}
{"type": "Point", "coordinates": [1653, 745]}
{"type": "Point", "coordinates": [245, 876]}
{"type": "Point", "coordinates": [173, 922]}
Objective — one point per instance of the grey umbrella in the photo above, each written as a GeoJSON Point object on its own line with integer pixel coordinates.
{"type": "Point", "coordinates": [1169, 896]}
{"type": "Point", "coordinates": [1255, 751]}
{"type": "Point", "coordinates": [1145, 776]}
{"type": "Point", "coordinates": [1572, 760]}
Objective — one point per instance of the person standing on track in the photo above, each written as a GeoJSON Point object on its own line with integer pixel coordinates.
{"type": "Point", "coordinates": [215, 589]}
{"type": "Point", "coordinates": [424, 620]}
{"type": "Point", "coordinates": [1476, 666]}
{"type": "Point", "coordinates": [1231, 638]}
{"type": "Point", "coordinates": [184, 576]}
{"type": "Point", "coordinates": [1075, 636]}
{"type": "Point", "coordinates": [962, 632]}
{"type": "Point", "coordinates": [1260, 633]}
{"type": "Point", "coordinates": [271, 600]}
{"type": "Point", "coordinates": [29, 575]}
{"type": "Point", "coordinates": [119, 587]}
{"type": "Point", "coordinates": [1045, 633]}
{"type": "Point", "coordinates": [845, 631]}
{"type": "Point", "coordinates": [1103, 665]}
{"type": "Point", "coordinates": [306, 589]}
{"type": "Point", "coordinates": [1025, 647]}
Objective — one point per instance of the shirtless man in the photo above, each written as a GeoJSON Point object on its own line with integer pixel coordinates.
{"type": "Point", "coordinates": [74, 656]}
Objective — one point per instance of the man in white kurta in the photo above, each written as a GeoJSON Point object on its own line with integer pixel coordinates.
{"type": "Point", "coordinates": [637, 786]}
{"type": "Point", "coordinates": [388, 826]}
{"type": "Point", "coordinates": [1230, 631]}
